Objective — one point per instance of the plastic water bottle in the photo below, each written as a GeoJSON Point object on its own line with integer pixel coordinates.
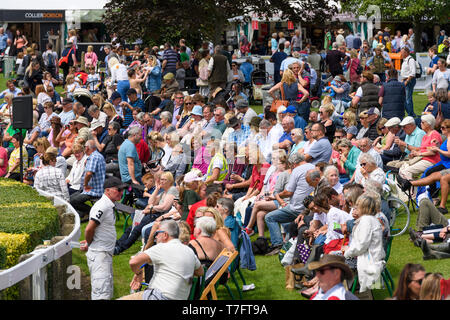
{"type": "Point", "coordinates": [74, 244]}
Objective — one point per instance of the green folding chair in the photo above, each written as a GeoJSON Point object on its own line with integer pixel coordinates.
{"type": "Point", "coordinates": [385, 274]}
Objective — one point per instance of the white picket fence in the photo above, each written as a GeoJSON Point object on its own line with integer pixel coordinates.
{"type": "Point", "coordinates": [35, 265]}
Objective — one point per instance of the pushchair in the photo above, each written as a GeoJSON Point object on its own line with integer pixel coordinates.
{"type": "Point", "coordinates": [259, 78]}
{"type": "Point", "coordinates": [84, 96]}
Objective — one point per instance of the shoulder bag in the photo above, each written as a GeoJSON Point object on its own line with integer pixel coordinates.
{"type": "Point", "coordinates": [278, 103]}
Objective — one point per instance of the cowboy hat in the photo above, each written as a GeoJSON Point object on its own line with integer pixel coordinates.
{"type": "Point", "coordinates": [332, 260]}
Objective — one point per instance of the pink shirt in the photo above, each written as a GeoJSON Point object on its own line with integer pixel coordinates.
{"type": "Point", "coordinates": [4, 156]}
{"type": "Point", "coordinates": [426, 142]}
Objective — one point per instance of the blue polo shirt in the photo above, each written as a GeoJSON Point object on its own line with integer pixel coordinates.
{"type": "Point", "coordinates": [285, 136]}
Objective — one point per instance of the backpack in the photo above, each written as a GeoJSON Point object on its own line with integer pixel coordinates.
{"type": "Point", "coordinates": [260, 246]}
{"type": "Point", "coordinates": [50, 60]}
{"type": "Point", "coordinates": [418, 69]}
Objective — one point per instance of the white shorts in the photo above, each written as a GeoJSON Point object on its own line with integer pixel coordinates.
{"type": "Point", "coordinates": [101, 270]}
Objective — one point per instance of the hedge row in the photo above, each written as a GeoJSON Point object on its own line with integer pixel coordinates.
{"type": "Point", "coordinates": [26, 213]}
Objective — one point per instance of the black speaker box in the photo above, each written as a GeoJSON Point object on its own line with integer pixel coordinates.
{"type": "Point", "coordinates": [22, 116]}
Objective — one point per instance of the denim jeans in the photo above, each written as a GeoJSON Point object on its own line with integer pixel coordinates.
{"type": "Point", "coordinates": [122, 88]}
{"type": "Point", "coordinates": [409, 98]}
{"type": "Point", "coordinates": [273, 218]}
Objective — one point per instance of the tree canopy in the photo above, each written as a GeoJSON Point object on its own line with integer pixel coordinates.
{"type": "Point", "coordinates": [165, 20]}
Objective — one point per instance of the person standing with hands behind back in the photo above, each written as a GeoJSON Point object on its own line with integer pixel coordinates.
{"type": "Point", "coordinates": [100, 237]}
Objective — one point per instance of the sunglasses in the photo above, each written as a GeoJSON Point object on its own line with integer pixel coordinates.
{"type": "Point", "coordinates": [322, 271]}
{"type": "Point", "coordinates": [339, 137]}
{"type": "Point", "coordinates": [381, 128]}
{"type": "Point", "coordinates": [418, 281]}
{"type": "Point", "coordinates": [363, 164]}
{"type": "Point", "coordinates": [188, 103]}
{"type": "Point", "coordinates": [158, 232]}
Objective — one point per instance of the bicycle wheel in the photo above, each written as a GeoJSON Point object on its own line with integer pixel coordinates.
{"type": "Point", "coordinates": [400, 216]}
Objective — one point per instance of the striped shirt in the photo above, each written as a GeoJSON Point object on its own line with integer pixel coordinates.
{"type": "Point", "coordinates": [172, 58]}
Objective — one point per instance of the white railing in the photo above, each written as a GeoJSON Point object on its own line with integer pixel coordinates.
{"type": "Point", "coordinates": [35, 265]}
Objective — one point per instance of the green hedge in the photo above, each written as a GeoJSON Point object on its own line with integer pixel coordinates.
{"type": "Point", "coordinates": [24, 211]}
{"type": "Point", "coordinates": [26, 219]}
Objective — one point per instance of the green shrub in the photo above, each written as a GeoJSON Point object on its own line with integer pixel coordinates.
{"type": "Point", "coordinates": [24, 211]}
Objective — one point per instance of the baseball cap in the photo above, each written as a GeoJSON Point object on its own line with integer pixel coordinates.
{"type": "Point", "coordinates": [373, 110]}
{"type": "Point", "coordinates": [392, 122]}
{"type": "Point", "coordinates": [115, 95]}
{"type": "Point", "coordinates": [114, 182]}
{"type": "Point", "coordinates": [67, 101]}
{"type": "Point", "coordinates": [407, 120]}
{"type": "Point", "coordinates": [290, 109]}
{"type": "Point", "coordinates": [241, 103]}
{"type": "Point", "coordinates": [197, 110]}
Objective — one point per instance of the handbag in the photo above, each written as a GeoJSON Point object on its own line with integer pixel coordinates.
{"type": "Point", "coordinates": [278, 103]}
{"type": "Point", "coordinates": [304, 251]}
{"type": "Point", "coordinates": [64, 61]}
{"type": "Point", "coordinates": [439, 117]}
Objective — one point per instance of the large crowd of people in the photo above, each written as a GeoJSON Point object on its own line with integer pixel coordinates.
{"type": "Point", "coordinates": [171, 131]}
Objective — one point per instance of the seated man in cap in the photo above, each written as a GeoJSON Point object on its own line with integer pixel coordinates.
{"type": "Point", "coordinates": [299, 122]}
{"type": "Point", "coordinates": [394, 153]}
{"type": "Point", "coordinates": [135, 103]}
{"type": "Point", "coordinates": [331, 270]}
{"type": "Point", "coordinates": [241, 131]}
{"type": "Point", "coordinates": [67, 113]}
{"type": "Point", "coordinates": [245, 113]}
{"type": "Point", "coordinates": [412, 141]}
{"type": "Point", "coordinates": [169, 85]}
{"type": "Point", "coordinates": [369, 121]}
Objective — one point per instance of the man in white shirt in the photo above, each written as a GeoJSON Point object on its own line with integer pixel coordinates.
{"type": "Point", "coordinates": [67, 113]}
{"type": "Point", "coordinates": [100, 237]}
{"type": "Point", "coordinates": [245, 113]}
{"type": "Point", "coordinates": [174, 263]}
{"type": "Point", "coordinates": [408, 76]}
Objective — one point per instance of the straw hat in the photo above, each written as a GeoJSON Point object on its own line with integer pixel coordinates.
{"type": "Point", "coordinates": [341, 31]}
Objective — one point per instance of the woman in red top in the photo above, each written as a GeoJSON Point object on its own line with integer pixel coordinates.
{"type": "Point", "coordinates": [424, 157]}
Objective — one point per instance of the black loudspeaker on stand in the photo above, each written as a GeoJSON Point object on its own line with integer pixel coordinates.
{"type": "Point", "coordinates": [22, 118]}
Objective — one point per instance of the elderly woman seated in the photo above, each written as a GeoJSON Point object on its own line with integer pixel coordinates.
{"type": "Point", "coordinates": [297, 137]}
{"type": "Point", "coordinates": [166, 121]}
{"type": "Point", "coordinates": [369, 170]}
{"type": "Point", "coordinates": [331, 175]}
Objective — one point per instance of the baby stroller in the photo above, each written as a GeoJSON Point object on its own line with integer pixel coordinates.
{"type": "Point", "coordinates": [258, 79]}
{"type": "Point", "coordinates": [84, 96]}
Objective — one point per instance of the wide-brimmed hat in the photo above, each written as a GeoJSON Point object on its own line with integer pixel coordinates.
{"type": "Point", "coordinates": [96, 124]}
{"type": "Point", "coordinates": [341, 31]}
{"type": "Point", "coordinates": [332, 260]}
{"type": "Point", "coordinates": [387, 29]}
{"type": "Point", "coordinates": [82, 120]}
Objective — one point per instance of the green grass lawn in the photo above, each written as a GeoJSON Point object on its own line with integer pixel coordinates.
{"type": "Point", "coordinates": [269, 277]}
